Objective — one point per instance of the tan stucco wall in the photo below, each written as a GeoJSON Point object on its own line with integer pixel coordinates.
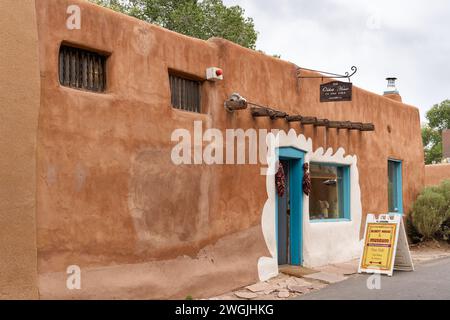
{"type": "Point", "coordinates": [19, 106]}
{"type": "Point", "coordinates": [393, 96]}
{"type": "Point", "coordinates": [436, 173]}
{"type": "Point", "coordinates": [446, 144]}
{"type": "Point", "coordinates": [109, 197]}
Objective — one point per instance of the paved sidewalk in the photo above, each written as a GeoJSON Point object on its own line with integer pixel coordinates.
{"type": "Point", "coordinates": [287, 286]}
{"type": "Point", "coordinates": [430, 280]}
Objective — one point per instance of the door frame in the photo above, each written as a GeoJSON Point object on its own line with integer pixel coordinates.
{"type": "Point", "coordinates": [296, 159]}
{"type": "Point", "coordinates": [399, 184]}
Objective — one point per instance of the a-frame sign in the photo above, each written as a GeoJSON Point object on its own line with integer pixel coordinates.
{"type": "Point", "coordinates": [385, 246]}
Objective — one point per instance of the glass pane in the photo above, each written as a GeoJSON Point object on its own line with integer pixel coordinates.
{"type": "Point", "coordinates": [326, 200]}
{"type": "Point", "coordinates": [392, 186]}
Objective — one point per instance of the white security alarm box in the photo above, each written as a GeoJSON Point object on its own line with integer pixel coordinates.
{"type": "Point", "coordinates": [214, 74]}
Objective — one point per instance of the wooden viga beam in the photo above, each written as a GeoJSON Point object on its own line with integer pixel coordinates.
{"type": "Point", "coordinates": [233, 105]}
{"type": "Point", "coordinates": [303, 120]}
{"type": "Point", "coordinates": [266, 112]}
{"type": "Point", "coordinates": [368, 127]}
{"type": "Point", "coordinates": [331, 124]}
{"type": "Point", "coordinates": [294, 118]}
{"type": "Point", "coordinates": [322, 122]}
{"type": "Point", "coordinates": [346, 125]}
{"type": "Point", "coordinates": [334, 124]}
{"type": "Point", "coordinates": [309, 120]}
{"type": "Point", "coordinates": [351, 125]}
{"type": "Point", "coordinates": [356, 126]}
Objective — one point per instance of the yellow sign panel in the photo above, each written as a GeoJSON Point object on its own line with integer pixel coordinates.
{"type": "Point", "coordinates": [379, 246]}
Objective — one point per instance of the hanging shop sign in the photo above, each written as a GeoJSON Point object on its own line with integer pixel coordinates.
{"type": "Point", "coordinates": [336, 91]}
{"type": "Point", "coordinates": [385, 246]}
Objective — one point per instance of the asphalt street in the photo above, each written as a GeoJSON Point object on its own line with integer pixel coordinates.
{"type": "Point", "coordinates": [430, 280]}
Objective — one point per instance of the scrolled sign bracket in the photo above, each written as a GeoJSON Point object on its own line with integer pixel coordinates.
{"type": "Point", "coordinates": [327, 75]}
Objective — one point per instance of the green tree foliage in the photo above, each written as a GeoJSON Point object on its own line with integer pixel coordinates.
{"type": "Point", "coordinates": [432, 143]}
{"type": "Point", "coordinates": [200, 19]}
{"type": "Point", "coordinates": [117, 5]}
{"type": "Point", "coordinates": [438, 118]}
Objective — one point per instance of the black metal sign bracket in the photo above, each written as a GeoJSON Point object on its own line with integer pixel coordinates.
{"type": "Point", "coordinates": [327, 75]}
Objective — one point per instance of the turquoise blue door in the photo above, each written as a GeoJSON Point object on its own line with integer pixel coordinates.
{"type": "Point", "coordinates": [289, 208]}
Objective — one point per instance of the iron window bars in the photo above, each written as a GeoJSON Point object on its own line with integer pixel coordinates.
{"type": "Point", "coordinates": [82, 69]}
{"type": "Point", "coordinates": [185, 93]}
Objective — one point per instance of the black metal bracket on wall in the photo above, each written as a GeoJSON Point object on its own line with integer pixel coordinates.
{"type": "Point", "coordinates": [327, 75]}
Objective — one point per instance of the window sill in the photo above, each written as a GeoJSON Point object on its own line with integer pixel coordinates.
{"type": "Point", "coordinates": [189, 113]}
{"type": "Point", "coordinates": [330, 220]}
{"type": "Point", "coordinates": [103, 94]}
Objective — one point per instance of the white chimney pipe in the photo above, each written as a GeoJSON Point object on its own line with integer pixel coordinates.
{"type": "Point", "coordinates": [391, 88]}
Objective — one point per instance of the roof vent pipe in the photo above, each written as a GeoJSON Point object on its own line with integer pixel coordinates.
{"type": "Point", "coordinates": [391, 90]}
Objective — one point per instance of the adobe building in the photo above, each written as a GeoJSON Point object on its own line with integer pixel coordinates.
{"type": "Point", "coordinates": [89, 115]}
{"type": "Point", "coordinates": [446, 144]}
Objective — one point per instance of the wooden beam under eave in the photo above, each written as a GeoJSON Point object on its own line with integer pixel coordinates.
{"type": "Point", "coordinates": [346, 125]}
{"type": "Point", "coordinates": [294, 118]}
{"type": "Point", "coordinates": [260, 112]}
{"type": "Point", "coordinates": [356, 126]}
{"type": "Point", "coordinates": [334, 124]}
{"type": "Point", "coordinates": [322, 122]}
{"type": "Point", "coordinates": [368, 127]}
{"type": "Point", "coordinates": [309, 120]}
{"type": "Point", "coordinates": [278, 114]}
{"type": "Point", "coordinates": [232, 105]}
{"type": "Point", "coordinates": [266, 112]}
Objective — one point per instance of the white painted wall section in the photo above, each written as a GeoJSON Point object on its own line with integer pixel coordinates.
{"type": "Point", "coordinates": [323, 242]}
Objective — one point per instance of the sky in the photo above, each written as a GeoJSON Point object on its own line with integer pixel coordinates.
{"type": "Point", "coordinates": [408, 39]}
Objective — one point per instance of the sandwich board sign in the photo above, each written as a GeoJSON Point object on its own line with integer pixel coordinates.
{"type": "Point", "coordinates": [385, 246]}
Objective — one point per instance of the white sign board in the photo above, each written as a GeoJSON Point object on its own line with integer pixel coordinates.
{"type": "Point", "coordinates": [385, 246]}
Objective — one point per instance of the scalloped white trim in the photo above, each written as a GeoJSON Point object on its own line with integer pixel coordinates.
{"type": "Point", "coordinates": [323, 242]}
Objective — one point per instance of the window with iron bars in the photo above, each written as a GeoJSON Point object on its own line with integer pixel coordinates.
{"type": "Point", "coordinates": [82, 69]}
{"type": "Point", "coordinates": [185, 93]}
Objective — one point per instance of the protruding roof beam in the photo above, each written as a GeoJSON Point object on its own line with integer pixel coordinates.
{"type": "Point", "coordinates": [368, 127]}
{"type": "Point", "coordinates": [309, 120]}
{"type": "Point", "coordinates": [266, 112]}
{"type": "Point", "coordinates": [322, 122]}
{"type": "Point", "coordinates": [294, 118]}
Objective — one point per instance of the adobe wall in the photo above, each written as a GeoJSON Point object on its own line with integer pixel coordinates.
{"type": "Point", "coordinates": [111, 201]}
{"type": "Point", "coordinates": [446, 143]}
{"type": "Point", "coordinates": [19, 106]}
{"type": "Point", "coordinates": [436, 173]}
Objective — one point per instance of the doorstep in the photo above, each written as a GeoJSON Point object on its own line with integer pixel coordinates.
{"type": "Point", "coordinates": [296, 271]}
